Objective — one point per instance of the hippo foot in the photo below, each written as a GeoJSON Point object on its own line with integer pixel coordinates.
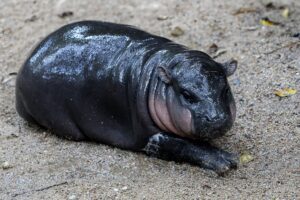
{"type": "Point", "coordinates": [167, 147]}
{"type": "Point", "coordinates": [218, 160]}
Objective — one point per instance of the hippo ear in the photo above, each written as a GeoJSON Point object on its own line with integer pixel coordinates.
{"type": "Point", "coordinates": [229, 67]}
{"type": "Point", "coordinates": [164, 74]}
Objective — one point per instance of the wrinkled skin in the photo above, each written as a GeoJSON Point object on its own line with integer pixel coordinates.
{"type": "Point", "coordinates": [124, 87]}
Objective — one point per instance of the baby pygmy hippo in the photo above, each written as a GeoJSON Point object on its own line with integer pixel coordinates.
{"type": "Point", "coordinates": [118, 85]}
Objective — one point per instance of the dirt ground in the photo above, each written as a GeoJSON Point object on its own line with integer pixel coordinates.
{"type": "Point", "coordinates": [37, 165]}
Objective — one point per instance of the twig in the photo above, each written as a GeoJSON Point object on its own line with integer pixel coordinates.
{"type": "Point", "coordinates": [12, 73]}
{"type": "Point", "coordinates": [245, 10]}
{"type": "Point", "coordinates": [40, 189]}
{"type": "Point", "coordinates": [46, 188]}
{"type": "Point", "coordinates": [282, 47]}
{"type": "Point", "coordinates": [219, 52]}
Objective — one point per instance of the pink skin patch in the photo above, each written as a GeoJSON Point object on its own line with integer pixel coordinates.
{"type": "Point", "coordinates": [163, 114]}
{"type": "Point", "coordinates": [181, 117]}
{"type": "Point", "coordinates": [172, 118]}
{"type": "Point", "coordinates": [153, 113]}
{"type": "Point", "coordinates": [186, 118]}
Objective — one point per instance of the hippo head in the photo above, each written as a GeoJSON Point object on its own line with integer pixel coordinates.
{"type": "Point", "coordinates": [193, 98]}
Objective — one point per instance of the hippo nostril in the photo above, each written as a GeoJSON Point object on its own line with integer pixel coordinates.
{"type": "Point", "coordinates": [213, 119]}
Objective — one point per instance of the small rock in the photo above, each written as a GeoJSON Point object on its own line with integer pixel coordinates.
{"type": "Point", "coordinates": [285, 13]}
{"type": "Point", "coordinates": [124, 188]}
{"type": "Point", "coordinates": [162, 17]}
{"type": "Point", "coordinates": [9, 81]}
{"type": "Point", "coordinates": [177, 31]}
{"type": "Point", "coordinates": [72, 197]}
{"type": "Point", "coordinates": [237, 81]}
{"type": "Point", "coordinates": [116, 189]}
{"type": "Point", "coordinates": [251, 28]}
{"type": "Point", "coordinates": [6, 165]}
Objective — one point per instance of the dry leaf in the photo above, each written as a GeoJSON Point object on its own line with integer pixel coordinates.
{"type": "Point", "coordinates": [66, 14]}
{"type": "Point", "coordinates": [219, 52]}
{"type": "Point", "coordinates": [267, 22]}
{"type": "Point", "coordinates": [213, 48]}
{"type": "Point", "coordinates": [285, 92]}
{"type": "Point", "coordinates": [244, 10]}
{"type": "Point", "coordinates": [245, 158]}
{"type": "Point", "coordinates": [285, 13]}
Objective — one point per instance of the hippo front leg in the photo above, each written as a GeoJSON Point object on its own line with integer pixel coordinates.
{"type": "Point", "coordinates": [167, 147]}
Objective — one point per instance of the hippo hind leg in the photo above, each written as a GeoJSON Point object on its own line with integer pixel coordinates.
{"type": "Point", "coordinates": [63, 126]}
{"type": "Point", "coordinates": [20, 107]}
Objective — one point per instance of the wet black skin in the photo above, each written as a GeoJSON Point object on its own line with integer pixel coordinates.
{"type": "Point", "coordinates": [91, 81]}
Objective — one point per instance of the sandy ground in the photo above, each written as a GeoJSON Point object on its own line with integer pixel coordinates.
{"type": "Point", "coordinates": [41, 166]}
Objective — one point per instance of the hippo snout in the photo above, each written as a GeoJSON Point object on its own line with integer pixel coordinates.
{"type": "Point", "coordinates": [213, 127]}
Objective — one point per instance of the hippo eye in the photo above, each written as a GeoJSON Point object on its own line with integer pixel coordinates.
{"type": "Point", "coordinates": [188, 96]}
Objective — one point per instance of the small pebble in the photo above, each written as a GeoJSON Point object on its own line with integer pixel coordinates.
{"type": "Point", "coordinates": [163, 17]}
{"type": "Point", "coordinates": [285, 13]}
{"type": "Point", "coordinates": [177, 31]}
{"type": "Point", "coordinates": [251, 28]}
{"type": "Point", "coordinates": [124, 188]}
{"type": "Point", "coordinates": [9, 81]}
{"type": "Point", "coordinates": [6, 165]}
{"type": "Point", "coordinates": [116, 189]}
{"type": "Point", "coordinates": [72, 197]}
{"type": "Point", "coordinates": [237, 81]}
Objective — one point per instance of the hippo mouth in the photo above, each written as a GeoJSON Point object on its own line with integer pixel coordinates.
{"type": "Point", "coordinates": [167, 113]}
{"type": "Point", "coordinates": [213, 130]}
